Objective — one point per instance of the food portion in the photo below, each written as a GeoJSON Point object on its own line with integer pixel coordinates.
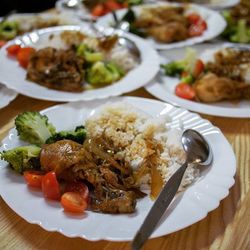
{"type": "Point", "coordinates": [122, 153]}
{"type": "Point", "coordinates": [101, 7]}
{"type": "Point", "coordinates": [16, 25]}
{"type": "Point", "coordinates": [225, 77]}
{"type": "Point", "coordinates": [238, 23]}
{"type": "Point", "coordinates": [73, 61]}
{"type": "Point", "coordinates": [166, 24]}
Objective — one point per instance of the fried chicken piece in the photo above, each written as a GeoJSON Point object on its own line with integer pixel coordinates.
{"type": "Point", "coordinates": [56, 69]}
{"type": "Point", "coordinates": [211, 88]}
{"type": "Point", "coordinates": [170, 32]}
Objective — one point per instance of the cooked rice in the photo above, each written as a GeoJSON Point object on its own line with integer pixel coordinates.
{"type": "Point", "coordinates": [134, 132]}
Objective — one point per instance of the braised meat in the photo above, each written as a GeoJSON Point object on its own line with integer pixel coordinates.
{"type": "Point", "coordinates": [165, 24]}
{"type": "Point", "coordinates": [57, 69]}
{"type": "Point", "coordinates": [211, 88]}
{"type": "Point", "coordinates": [112, 182]}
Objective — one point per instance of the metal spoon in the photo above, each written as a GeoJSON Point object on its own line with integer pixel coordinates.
{"type": "Point", "coordinates": [197, 151]}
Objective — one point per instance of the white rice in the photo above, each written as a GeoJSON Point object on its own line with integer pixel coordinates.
{"type": "Point", "coordinates": [131, 129]}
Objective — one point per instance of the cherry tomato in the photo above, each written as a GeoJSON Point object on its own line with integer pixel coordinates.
{"type": "Point", "coordinates": [33, 178]}
{"type": "Point", "coordinates": [73, 202]}
{"type": "Point", "coordinates": [198, 68]}
{"type": "Point", "coordinates": [185, 91]}
{"type": "Point", "coordinates": [13, 49]}
{"type": "Point", "coordinates": [2, 43]}
{"type": "Point", "coordinates": [23, 56]}
{"type": "Point", "coordinates": [197, 29]}
{"type": "Point", "coordinates": [50, 186]}
{"type": "Point", "coordinates": [98, 10]}
{"type": "Point", "coordinates": [112, 5]}
{"type": "Point", "coordinates": [78, 187]}
{"type": "Point", "coordinates": [193, 18]}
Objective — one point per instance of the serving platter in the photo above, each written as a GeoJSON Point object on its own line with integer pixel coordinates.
{"type": "Point", "coordinates": [215, 24]}
{"type": "Point", "coordinates": [14, 76]}
{"type": "Point", "coordinates": [188, 207]}
{"type": "Point", "coordinates": [163, 86]}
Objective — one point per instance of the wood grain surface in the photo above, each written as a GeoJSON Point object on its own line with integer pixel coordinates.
{"type": "Point", "coordinates": [227, 227]}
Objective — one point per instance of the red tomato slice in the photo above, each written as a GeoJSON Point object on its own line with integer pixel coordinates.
{"type": "Point", "coordinates": [98, 10]}
{"type": "Point", "coordinates": [13, 49]}
{"type": "Point", "coordinates": [197, 29]}
{"type": "Point", "coordinates": [112, 5]}
{"type": "Point", "coordinates": [73, 202]}
{"type": "Point", "coordinates": [198, 68]}
{"type": "Point", "coordinates": [50, 186]}
{"type": "Point", "coordinates": [78, 187]}
{"type": "Point", "coordinates": [185, 91]}
{"type": "Point", "coordinates": [33, 178]}
{"type": "Point", "coordinates": [23, 56]}
{"type": "Point", "coordinates": [2, 43]}
{"type": "Point", "coordinates": [193, 18]}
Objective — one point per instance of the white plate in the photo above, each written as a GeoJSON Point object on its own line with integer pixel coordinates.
{"type": "Point", "coordinates": [14, 76]}
{"type": "Point", "coordinates": [188, 207]}
{"type": "Point", "coordinates": [163, 88]}
{"type": "Point", "coordinates": [213, 4]}
{"type": "Point", "coordinates": [215, 25]}
{"type": "Point", "coordinates": [6, 96]}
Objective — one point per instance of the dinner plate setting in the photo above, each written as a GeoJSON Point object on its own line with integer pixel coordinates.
{"type": "Point", "coordinates": [197, 200]}
{"type": "Point", "coordinates": [89, 59]}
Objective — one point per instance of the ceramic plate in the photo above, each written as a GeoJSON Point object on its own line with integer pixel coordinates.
{"type": "Point", "coordinates": [14, 76]}
{"type": "Point", "coordinates": [6, 96]}
{"type": "Point", "coordinates": [163, 87]}
{"type": "Point", "coordinates": [215, 23]}
{"type": "Point", "coordinates": [187, 208]}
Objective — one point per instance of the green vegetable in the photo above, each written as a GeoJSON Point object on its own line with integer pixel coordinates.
{"type": "Point", "coordinates": [175, 68]}
{"type": "Point", "coordinates": [77, 135]}
{"type": "Point", "coordinates": [22, 158]}
{"type": "Point", "coordinates": [100, 74]}
{"type": "Point", "coordinates": [34, 127]}
{"type": "Point", "coordinates": [8, 30]}
{"type": "Point", "coordinates": [89, 55]}
{"type": "Point", "coordinates": [188, 79]}
{"type": "Point", "coordinates": [242, 34]}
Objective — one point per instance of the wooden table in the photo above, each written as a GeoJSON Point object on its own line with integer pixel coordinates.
{"type": "Point", "coordinates": [227, 227]}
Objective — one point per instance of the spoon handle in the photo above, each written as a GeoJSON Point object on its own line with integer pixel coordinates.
{"type": "Point", "coordinates": [158, 209]}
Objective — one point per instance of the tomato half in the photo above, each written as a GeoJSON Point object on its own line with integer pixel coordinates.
{"type": "Point", "coordinates": [197, 29]}
{"type": "Point", "coordinates": [198, 68]}
{"type": "Point", "coordinates": [185, 91]}
{"type": "Point", "coordinates": [33, 178]}
{"type": "Point", "coordinates": [193, 18]}
{"type": "Point", "coordinates": [98, 10]}
{"type": "Point", "coordinates": [78, 187]}
{"type": "Point", "coordinates": [13, 49]}
{"type": "Point", "coordinates": [2, 43]}
{"type": "Point", "coordinates": [50, 186]}
{"type": "Point", "coordinates": [73, 202]}
{"type": "Point", "coordinates": [23, 56]}
{"type": "Point", "coordinates": [113, 5]}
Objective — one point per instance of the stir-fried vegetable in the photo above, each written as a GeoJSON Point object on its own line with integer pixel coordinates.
{"type": "Point", "coordinates": [101, 73]}
{"type": "Point", "coordinates": [22, 158]}
{"type": "Point", "coordinates": [88, 54]}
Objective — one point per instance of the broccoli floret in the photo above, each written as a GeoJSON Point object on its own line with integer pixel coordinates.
{"type": "Point", "coordinates": [100, 74]}
{"type": "Point", "coordinates": [77, 135]}
{"type": "Point", "coordinates": [174, 68]}
{"type": "Point", "coordinates": [8, 30]}
{"type": "Point", "coordinates": [89, 55]}
{"type": "Point", "coordinates": [242, 33]}
{"type": "Point", "coordinates": [22, 158]}
{"type": "Point", "coordinates": [33, 127]}
{"type": "Point", "coordinates": [187, 64]}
